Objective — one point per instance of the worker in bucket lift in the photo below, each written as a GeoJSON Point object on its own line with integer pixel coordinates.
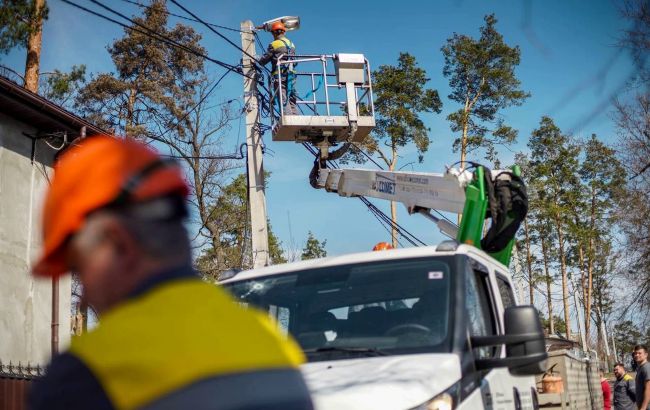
{"type": "Point", "coordinates": [281, 45]}
{"type": "Point", "coordinates": [114, 214]}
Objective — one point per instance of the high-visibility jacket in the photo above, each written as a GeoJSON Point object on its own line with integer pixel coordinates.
{"type": "Point", "coordinates": [181, 344]}
{"type": "Point", "coordinates": [624, 393]}
{"type": "Point", "coordinates": [278, 47]}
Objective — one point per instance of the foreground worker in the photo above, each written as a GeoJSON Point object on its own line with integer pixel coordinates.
{"type": "Point", "coordinates": [281, 45]}
{"type": "Point", "coordinates": [166, 339]}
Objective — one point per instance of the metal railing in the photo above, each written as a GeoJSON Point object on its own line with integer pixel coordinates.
{"type": "Point", "coordinates": [15, 381]}
{"type": "Point", "coordinates": [319, 92]}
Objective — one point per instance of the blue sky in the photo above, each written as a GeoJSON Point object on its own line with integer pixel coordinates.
{"type": "Point", "coordinates": [570, 63]}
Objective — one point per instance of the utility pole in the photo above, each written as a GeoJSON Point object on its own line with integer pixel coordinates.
{"type": "Point", "coordinates": [254, 164]}
{"type": "Point", "coordinates": [581, 329]}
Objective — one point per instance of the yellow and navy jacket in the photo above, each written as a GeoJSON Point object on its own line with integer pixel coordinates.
{"type": "Point", "coordinates": [278, 47]}
{"type": "Point", "coordinates": [624, 393]}
{"type": "Point", "coordinates": [177, 343]}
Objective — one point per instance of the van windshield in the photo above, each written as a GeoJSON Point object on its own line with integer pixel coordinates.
{"type": "Point", "coordinates": [379, 308]}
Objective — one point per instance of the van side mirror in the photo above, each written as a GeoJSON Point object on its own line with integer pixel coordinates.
{"type": "Point", "coordinates": [524, 340]}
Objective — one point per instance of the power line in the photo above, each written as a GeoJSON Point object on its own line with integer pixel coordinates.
{"type": "Point", "coordinates": [211, 28]}
{"type": "Point", "coordinates": [214, 86]}
{"type": "Point", "coordinates": [259, 42]}
{"type": "Point", "coordinates": [378, 213]}
{"type": "Point", "coordinates": [236, 156]}
{"type": "Point", "coordinates": [382, 168]}
{"type": "Point", "coordinates": [169, 40]}
{"type": "Point", "coordinates": [156, 36]}
{"type": "Point", "coordinates": [214, 31]}
{"type": "Point", "coordinates": [183, 17]}
{"type": "Point", "coordinates": [394, 225]}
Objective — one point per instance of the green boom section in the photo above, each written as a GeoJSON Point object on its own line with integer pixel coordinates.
{"type": "Point", "coordinates": [472, 223]}
{"type": "Point", "coordinates": [470, 230]}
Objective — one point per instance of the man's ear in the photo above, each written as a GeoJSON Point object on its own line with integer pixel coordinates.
{"type": "Point", "coordinates": [123, 241]}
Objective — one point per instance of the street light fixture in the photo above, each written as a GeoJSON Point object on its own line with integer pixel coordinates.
{"type": "Point", "coordinates": [290, 23]}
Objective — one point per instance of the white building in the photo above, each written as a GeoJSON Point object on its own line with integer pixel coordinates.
{"type": "Point", "coordinates": [32, 131]}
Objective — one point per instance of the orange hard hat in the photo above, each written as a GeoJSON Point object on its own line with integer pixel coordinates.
{"type": "Point", "coordinates": [95, 174]}
{"type": "Point", "coordinates": [382, 246]}
{"type": "Point", "coordinates": [278, 26]}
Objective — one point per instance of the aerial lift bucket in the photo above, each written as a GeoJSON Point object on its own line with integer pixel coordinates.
{"type": "Point", "coordinates": [333, 95]}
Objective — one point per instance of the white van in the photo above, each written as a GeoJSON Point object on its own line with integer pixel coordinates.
{"type": "Point", "coordinates": [420, 328]}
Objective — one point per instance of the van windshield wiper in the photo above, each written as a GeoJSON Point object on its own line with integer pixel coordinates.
{"type": "Point", "coordinates": [361, 350]}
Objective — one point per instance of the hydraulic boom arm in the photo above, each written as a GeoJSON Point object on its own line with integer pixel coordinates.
{"type": "Point", "coordinates": [461, 192]}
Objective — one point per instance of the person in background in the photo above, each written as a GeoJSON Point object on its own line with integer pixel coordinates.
{"type": "Point", "coordinates": [114, 214]}
{"type": "Point", "coordinates": [607, 391]}
{"type": "Point", "coordinates": [642, 381]}
{"type": "Point", "coordinates": [624, 397]}
{"type": "Point", "coordinates": [281, 45]}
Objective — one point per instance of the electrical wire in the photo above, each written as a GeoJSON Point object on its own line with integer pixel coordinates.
{"type": "Point", "coordinates": [151, 33]}
{"type": "Point", "coordinates": [157, 36]}
{"type": "Point", "coordinates": [386, 227]}
{"type": "Point", "coordinates": [255, 60]}
{"type": "Point", "coordinates": [214, 86]}
{"type": "Point", "coordinates": [259, 42]}
{"type": "Point", "coordinates": [394, 225]}
{"type": "Point", "coordinates": [368, 156]}
{"type": "Point", "coordinates": [216, 32]}
{"type": "Point", "coordinates": [378, 213]}
{"type": "Point", "coordinates": [167, 39]}
{"type": "Point", "coordinates": [183, 17]}
{"type": "Point", "coordinates": [215, 157]}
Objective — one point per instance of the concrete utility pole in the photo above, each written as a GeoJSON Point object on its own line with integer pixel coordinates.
{"type": "Point", "coordinates": [255, 166]}
{"type": "Point", "coordinates": [581, 329]}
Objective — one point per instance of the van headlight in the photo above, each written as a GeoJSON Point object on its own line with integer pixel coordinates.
{"type": "Point", "coordinates": [446, 400]}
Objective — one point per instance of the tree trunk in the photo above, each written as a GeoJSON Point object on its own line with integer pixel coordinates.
{"type": "Point", "coordinates": [590, 264]}
{"type": "Point", "coordinates": [529, 263]}
{"type": "Point", "coordinates": [549, 296]}
{"type": "Point", "coordinates": [130, 112]}
{"type": "Point", "coordinates": [34, 43]}
{"type": "Point", "coordinates": [463, 140]}
{"type": "Point", "coordinates": [583, 290]}
{"type": "Point", "coordinates": [463, 144]}
{"type": "Point", "coordinates": [393, 205]}
{"type": "Point", "coordinates": [565, 290]}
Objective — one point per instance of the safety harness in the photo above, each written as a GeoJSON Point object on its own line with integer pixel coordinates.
{"type": "Point", "coordinates": [288, 71]}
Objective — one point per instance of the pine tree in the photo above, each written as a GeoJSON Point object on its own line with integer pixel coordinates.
{"type": "Point", "coordinates": [161, 94]}
{"type": "Point", "coordinates": [231, 247]}
{"type": "Point", "coordinates": [482, 79]}
{"type": "Point", "coordinates": [154, 81]}
{"type": "Point", "coordinates": [603, 177]}
{"type": "Point", "coordinates": [313, 248]}
{"type": "Point", "coordinates": [61, 87]}
{"type": "Point", "coordinates": [554, 162]}
{"type": "Point", "coordinates": [21, 24]}
{"type": "Point", "coordinates": [400, 97]}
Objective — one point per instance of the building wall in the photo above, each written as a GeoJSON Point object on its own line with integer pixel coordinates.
{"type": "Point", "coordinates": [25, 302]}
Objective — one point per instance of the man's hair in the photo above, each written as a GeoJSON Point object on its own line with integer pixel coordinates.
{"type": "Point", "coordinates": [620, 365]}
{"type": "Point", "coordinates": [158, 227]}
{"type": "Point", "coordinates": [639, 347]}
